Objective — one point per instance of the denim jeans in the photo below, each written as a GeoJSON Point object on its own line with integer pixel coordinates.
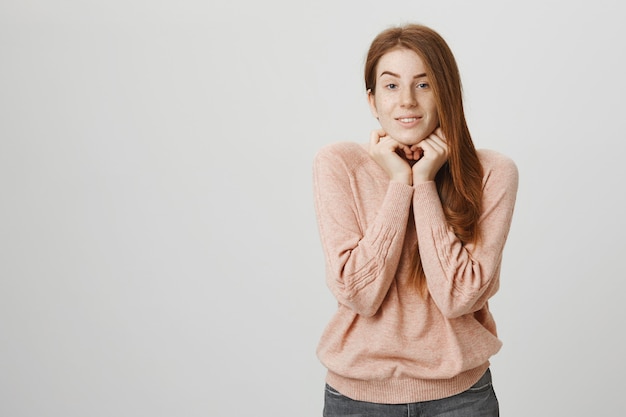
{"type": "Point", "coordinates": [478, 401]}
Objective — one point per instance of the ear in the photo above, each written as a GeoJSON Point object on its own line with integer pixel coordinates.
{"type": "Point", "coordinates": [371, 99]}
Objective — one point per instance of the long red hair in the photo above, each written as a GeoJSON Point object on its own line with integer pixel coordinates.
{"type": "Point", "coordinates": [459, 181]}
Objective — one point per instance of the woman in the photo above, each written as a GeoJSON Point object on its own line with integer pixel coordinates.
{"type": "Point", "coordinates": [413, 225]}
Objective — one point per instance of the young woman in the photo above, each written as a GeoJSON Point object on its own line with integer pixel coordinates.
{"type": "Point", "coordinates": [413, 225]}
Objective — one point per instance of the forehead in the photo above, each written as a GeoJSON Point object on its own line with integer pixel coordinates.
{"type": "Point", "coordinates": [401, 61]}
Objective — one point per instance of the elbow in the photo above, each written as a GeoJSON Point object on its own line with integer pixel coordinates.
{"type": "Point", "coordinates": [455, 302]}
{"type": "Point", "coordinates": [453, 312]}
{"type": "Point", "coordinates": [360, 304]}
{"type": "Point", "coordinates": [456, 306]}
{"type": "Point", "coordinates": [367, 312]}
{"type": "Point", "coordinates": [363, 308]}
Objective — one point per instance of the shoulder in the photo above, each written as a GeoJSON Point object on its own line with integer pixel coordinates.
{"type": "Point", "coordinates": [498, 167]}
{"type": "Point", "coordinates": [347, 154]}
{"type": "Point", "coordinates": [495, 161]}
{"type": "Point", "coordinates": [489, 157]}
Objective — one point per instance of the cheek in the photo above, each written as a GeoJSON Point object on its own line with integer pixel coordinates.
{"type": "Point", "coordinates": [384, 107]}
{"type": "Point", "coordinates": [434, 112]}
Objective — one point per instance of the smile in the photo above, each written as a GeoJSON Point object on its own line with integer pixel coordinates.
{"type": "Point", "coordinates": [408, 119]}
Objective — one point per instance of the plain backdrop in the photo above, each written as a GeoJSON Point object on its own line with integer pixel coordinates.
{"type": "Point", "coordinates": [159, 253]}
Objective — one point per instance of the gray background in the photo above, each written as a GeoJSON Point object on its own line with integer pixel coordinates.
{"type": "Point", "coordinates": [159, 254]}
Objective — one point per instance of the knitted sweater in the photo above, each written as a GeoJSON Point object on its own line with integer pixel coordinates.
{"type": "Point", "coordinates": [386, 343]}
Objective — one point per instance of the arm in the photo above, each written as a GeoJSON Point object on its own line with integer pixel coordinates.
{"type": "Point", "coordinates": [361, 259]}
{"type": "Point", "coordinates": [461, 278]}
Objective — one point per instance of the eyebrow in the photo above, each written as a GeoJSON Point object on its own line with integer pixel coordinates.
{"type": "Point", "coordinates": [397, 76]}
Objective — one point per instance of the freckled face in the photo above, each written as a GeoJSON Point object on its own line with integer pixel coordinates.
{"type": "Point", "coordinates": [403, 100]}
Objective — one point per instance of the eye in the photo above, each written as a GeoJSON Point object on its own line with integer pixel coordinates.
{"type": "Point", "coordinates": [421, 86]}
{"type": "Point", "coordinates": [391, 86]}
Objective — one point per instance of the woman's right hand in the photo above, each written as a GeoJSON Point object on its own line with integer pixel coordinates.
{"type": "Point", "coordinates": [384, 150]}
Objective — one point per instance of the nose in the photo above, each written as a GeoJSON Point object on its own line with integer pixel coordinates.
{"type": "Point", "coordinates": [408, 98]}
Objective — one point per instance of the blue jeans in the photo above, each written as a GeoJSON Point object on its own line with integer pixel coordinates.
{"type": "Point", "coordinates": [478, 401]}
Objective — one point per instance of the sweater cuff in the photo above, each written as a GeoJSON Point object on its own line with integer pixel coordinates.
{"type": "Point", "coordinates": [397, 203]}
{"type": "Point", "coordinates": [427, 205]}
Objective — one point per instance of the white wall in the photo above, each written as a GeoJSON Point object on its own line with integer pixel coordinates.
{"type": "Point", "coordinates": [159, 253]}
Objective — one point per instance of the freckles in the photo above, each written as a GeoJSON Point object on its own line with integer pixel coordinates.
{"type": "Point", "coordinates": [385, 103]}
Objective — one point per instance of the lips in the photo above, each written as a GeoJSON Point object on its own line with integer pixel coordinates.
{"type": "Point", "coordinates": [409, 121]}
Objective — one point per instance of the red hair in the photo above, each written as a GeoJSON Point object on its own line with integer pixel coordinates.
{"type": "Point", "coordinates": [459, 181]}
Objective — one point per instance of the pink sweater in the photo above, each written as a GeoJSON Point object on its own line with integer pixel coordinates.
{"type": "Point", "coordinates": [386, 343]}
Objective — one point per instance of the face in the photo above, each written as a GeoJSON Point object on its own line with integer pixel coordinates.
{"type": "Point", "coordinates": [403, 100]}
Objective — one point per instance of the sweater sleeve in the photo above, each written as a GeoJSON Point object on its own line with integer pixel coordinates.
{"type": "Point", "coordinates": [461, 278]}
{"type": "Point", "coordinates": [360, 264]}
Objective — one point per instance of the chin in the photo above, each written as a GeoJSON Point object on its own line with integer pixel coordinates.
{"type": "Point", "coordinates": [410, 141]}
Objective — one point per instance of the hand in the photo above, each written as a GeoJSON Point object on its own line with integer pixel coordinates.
{"type": "Point", "coordinates": [431, 153]}
{"type": "Point", "coordinates": [385, 151]}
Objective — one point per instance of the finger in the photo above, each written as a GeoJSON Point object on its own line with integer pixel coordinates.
{"type": "Point", "coordinates": [376, 135]}
{"type": "Point", "coordinates": [416, 152]}
{"type": "Point", "coordinates": [438, 142]}
{"type": "Point", "coordinates": [418, 146]}
{"type": "Point", "coordinates": [425, 147]}
{"type": "Point", "coordinates": [404, 148]}
{"type": "Point", "coordinates": [431, 148]}
{"type": "Point", "coordinates": [434, 145]}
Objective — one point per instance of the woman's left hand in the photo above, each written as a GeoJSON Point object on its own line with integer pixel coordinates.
{"type": "Point", "coordinates": [431, 153]}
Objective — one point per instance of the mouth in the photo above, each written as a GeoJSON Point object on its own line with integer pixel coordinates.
{"type": "Point", "coordinates": [408, 119]}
